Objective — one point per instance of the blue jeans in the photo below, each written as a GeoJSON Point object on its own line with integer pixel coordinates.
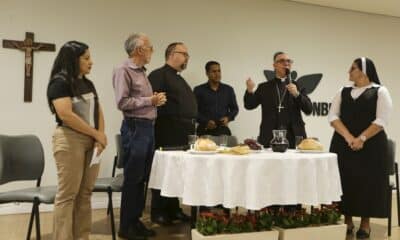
{"type": "Point", "coordinates": [138, 145]}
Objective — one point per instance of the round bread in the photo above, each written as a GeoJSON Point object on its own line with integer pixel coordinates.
{"type": "Point", "coordinates": [240, 150]}
{"type": "Point", "coordinates": [310, 144]}
{"type": "Point", "coordinates": [205, 144]}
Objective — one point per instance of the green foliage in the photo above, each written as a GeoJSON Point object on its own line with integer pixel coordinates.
{"type": "Point", "coordinates": [211, 223]}
{"type": "Point", "coordinates": [327, 215]}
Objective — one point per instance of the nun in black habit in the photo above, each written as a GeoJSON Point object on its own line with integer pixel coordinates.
{"type": "Point", "coordinates": [359, 114]}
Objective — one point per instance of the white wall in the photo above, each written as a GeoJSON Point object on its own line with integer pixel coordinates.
{"type": "Point", "coordinates": [241, 34]}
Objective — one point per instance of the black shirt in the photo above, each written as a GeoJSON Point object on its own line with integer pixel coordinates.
{"type": "Point", "coordinates": [84, 107]}
{"type": "Point", "coordinates": [181, 102]}
{"type": "Point", "coordinates": [214, 105]}
{"type": "Point", "coordinates": [268, 95]}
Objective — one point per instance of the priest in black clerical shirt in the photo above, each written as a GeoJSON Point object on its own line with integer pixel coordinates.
{"type": "Point", "coordinates": [175, 121]}
{"type": "Point", "coordinates": [281, 103]}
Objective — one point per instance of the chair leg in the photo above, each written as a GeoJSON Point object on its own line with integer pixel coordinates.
{"type": "Point", "coordinates": [110, 208]}
{"type": "Point", "coordinates": [108, 205]}
{"type": "Point", "coordinates": [193, 214]}
{"type": "Point", "coordinates": [146, 185]}
{"type": "Point", "coordinates": [37, 220]}
{"type": "Point", "coordinates": [31, 222]}
{"type": "Point", "coordinates": [396, 169]}
{"type": "Point", "coordinates": [389, 210]}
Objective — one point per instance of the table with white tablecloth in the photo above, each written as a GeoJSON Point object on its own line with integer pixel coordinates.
{"type": "Point", "coordinates": [251, 181]}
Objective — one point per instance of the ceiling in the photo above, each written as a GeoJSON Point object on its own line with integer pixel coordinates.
{"type": "Point", "coordinates": [382, 7]}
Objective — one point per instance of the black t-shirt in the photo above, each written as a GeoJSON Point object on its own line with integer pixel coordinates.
{"type": "Point", "coordinates": [85, 107]}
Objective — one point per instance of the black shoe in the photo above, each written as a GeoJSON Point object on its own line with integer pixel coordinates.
{"type": "Point", "coordinates": [131, 235]}
{"type": "Point", "coordinates": [363, 234]}
{"type": "Point", "coordinates": [141, 228]}
{"type": "Point", "coordinates": [161, 219]}
{"type": "Point", "coordinates": [180, 216]}
{"type": "Point", "coordinates": [350, 230]}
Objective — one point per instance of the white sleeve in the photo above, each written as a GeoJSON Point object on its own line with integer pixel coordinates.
{"type": "Point", "coordinates": [334, 111]}
{"type": "Point", "coordinates": [383, 107]}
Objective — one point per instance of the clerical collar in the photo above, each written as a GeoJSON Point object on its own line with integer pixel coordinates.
{"type": "Point", "coordinates": [278, 79]}
{"type": "Point", "coordinates": [171, 68]}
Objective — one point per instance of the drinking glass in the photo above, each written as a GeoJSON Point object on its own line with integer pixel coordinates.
{"type": "Point", "coordinates": [191, 140]}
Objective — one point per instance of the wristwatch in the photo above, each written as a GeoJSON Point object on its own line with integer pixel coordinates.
{"type": "Point", "coordinates": [363, 138]}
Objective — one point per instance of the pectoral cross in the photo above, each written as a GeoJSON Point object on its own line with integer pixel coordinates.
{"type": "Point", "coordinates": [280, 107]}
{"type": "Point", "coordinates": [28, 46]}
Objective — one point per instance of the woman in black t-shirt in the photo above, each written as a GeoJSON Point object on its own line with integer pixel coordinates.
{"type": "Point", "coordinates": [79, 135]}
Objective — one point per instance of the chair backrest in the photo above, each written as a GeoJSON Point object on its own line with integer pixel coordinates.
{"type": "Point", "coordinates": [391, 155]}
{"type": "Point", "coordinates": [21, 158]}
{"type": "Point", "coordinates": [120, 151]}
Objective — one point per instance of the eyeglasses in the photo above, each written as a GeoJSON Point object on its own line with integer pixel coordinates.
{"type": "Point", "coordinates": [290, 61]}
{"type": "Point", "coordinates": [148, 47]}
{"type": "Point", "coordinates": [185, 54]}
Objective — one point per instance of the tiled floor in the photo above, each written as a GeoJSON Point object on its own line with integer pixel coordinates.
{"type": "Point", "coordinates": [15, 227]}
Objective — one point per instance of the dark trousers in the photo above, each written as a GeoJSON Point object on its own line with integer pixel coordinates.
{"type": "Point", "coordinates": [166, 206]}
{"type": "Point", "coordinates": [171, 132]}
{"type": "Point", "coordinates": [138, 147]}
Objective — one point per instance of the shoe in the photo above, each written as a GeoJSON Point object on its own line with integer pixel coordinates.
{"type": "Point", "coordinates": [350, 230]}
{"type": "Point", "coordinates": [141, 228]}
{"type": "Point", "coordinates": [131, 235]}
{"type": "Point", "coordinates": [363, 234]}
{"type": "Point", "coordinates": [161, 219]}
{"type": "Point", "coordinates": [180, 216]}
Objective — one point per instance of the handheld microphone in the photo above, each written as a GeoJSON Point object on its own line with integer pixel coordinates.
{"type": "Point", "coordinates": [289, 75]}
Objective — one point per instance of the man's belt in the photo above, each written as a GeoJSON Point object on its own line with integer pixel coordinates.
{"type": "Point", "coordinates": [136, 119]}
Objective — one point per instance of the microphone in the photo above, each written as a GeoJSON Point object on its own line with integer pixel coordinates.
{"type": "Point", "coordinates": [288, 73]}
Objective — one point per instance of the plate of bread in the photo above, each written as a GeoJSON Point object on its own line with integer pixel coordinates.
{"type": "Point", "coordinates": [310, 145]}
{"type": "Point", "coordinates": [237, 150]}
{"type": "Point", "coordinates": [204, 146]}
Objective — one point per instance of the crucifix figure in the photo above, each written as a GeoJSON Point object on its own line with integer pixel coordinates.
{"type": "Point", "coordinates": [28, 46]}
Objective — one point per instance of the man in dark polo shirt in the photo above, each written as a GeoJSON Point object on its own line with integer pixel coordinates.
{"type": "Point", "coordinates": [175, 121]}
{"type": "Point", "coordinates": [217, 104]}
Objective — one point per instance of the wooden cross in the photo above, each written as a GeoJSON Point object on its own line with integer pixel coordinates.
{"type": "Point", "coordinates": [28, 46]}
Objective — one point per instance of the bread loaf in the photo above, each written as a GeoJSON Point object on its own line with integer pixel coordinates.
{"type": "Point", "coordinates": [310, 144]}
{"type": "Point", "coordinates": [204, 144]}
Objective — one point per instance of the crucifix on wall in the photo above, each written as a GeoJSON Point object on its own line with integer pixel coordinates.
{"type": "Point", "coordinates": [28, 46]}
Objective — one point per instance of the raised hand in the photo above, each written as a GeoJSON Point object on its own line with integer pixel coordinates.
{"type": "Point", "coordinates": [250, 85]}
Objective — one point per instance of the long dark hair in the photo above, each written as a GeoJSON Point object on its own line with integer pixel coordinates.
{"type": "Point", "coordinates": [370, 69]}
{"type": "Point", "coordinates": [66, 66]}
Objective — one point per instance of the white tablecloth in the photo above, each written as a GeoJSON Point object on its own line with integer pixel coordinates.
{"type": "Point", "coordinates": [251, 181]}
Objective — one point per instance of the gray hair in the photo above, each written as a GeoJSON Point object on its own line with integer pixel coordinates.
{"type": "Point", "coordinates": [134, 41]}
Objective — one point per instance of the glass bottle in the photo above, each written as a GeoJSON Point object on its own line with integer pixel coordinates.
{"type": "Point", "coordinates": [279, 143]}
